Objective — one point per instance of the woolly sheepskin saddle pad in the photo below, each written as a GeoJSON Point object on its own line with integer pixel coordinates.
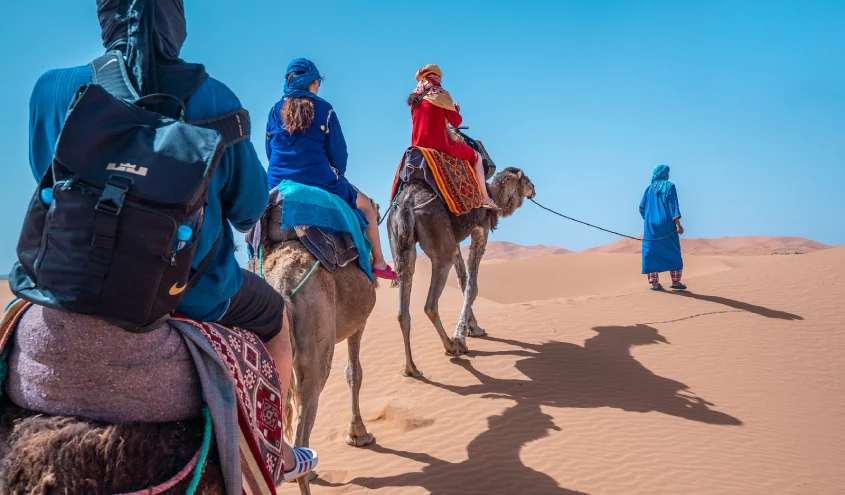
{"type": "Point", "coordinates": [67, 364]}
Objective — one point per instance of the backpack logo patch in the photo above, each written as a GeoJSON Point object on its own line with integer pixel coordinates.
{"type": "Point", "coordinates": [176, 290]}
{"type": "Point", "coordinates": [128, 168]}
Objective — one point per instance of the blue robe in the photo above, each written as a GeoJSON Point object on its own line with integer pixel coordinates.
{"type": "Point", "coordinates": [316, 157]}
{"type": "Point", "coordinates": [659, 213]}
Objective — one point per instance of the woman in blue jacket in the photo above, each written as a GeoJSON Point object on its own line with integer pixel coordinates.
{"type": "Point", "coordinates": [305, 144]}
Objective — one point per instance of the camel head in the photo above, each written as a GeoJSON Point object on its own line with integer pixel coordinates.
{"type": "Point", "coordinates": [625, 337]}
{"type": "Point", "coordinates": [509, 189]}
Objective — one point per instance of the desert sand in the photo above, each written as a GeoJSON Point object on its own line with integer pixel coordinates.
{"type": "Point", "coordinates": [590, 383]}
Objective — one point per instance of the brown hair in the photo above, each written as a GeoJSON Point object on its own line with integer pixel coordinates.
{"type": "Point", "coordinates": [414, 100]}
{"type": "Point", "coordinates": [297, 113]}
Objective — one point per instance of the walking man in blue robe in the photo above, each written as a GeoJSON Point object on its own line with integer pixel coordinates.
{"type": "Point", "coordinates": [661, 235]}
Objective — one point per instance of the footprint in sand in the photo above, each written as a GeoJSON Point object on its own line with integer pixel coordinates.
{"type": "Point", "coordinates": [399, 419]}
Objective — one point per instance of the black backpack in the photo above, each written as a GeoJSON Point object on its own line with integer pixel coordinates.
{"type": "Point", "coordinates": [123, 180]}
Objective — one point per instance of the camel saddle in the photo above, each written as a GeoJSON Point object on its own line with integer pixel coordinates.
{"type": "Point", "coordinates": [333, 249]}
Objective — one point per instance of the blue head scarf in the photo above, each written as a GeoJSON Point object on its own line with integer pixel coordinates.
{"type": "Point", "coordinates": [297, 86]}
{"type": "Point", "coordinates": [660, 179]}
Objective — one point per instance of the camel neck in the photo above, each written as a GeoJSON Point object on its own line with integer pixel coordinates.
{"type": "Point", "coordinates": [507, 204]}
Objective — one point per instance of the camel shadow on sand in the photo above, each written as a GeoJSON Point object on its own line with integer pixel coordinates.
{"type": "Point", "coordinates": [493, 465]}
{"type": "Point", "coordinates": [601, 373]}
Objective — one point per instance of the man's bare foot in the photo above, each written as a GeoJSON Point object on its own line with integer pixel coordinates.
{"type": "Point", "coordinates": [287, 455]}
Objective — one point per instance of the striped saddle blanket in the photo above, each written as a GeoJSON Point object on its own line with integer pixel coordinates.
{"type": "Point", "coordinates": [452, 179]}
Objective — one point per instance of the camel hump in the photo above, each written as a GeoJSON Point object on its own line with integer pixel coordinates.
{"type": "Point", "coordinates": [67, 364]}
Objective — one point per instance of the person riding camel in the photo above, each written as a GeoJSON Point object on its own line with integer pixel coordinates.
{"type": "Point", "coordinates": [432, 111]}
{"type": "Point", "coordinates": [305, 144]}
{"type": "Point", "coordinates": [225, 293]}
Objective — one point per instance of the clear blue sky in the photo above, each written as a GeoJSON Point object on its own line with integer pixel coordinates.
{"type": "Point", "coordinates": [744, 99]}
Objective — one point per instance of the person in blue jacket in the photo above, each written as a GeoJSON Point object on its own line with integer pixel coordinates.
{"type": "Point", "coordinates": [305, 144]}
{"type": "Point", "coordinates": [661, 242]}
{"type": "Point", "coordinates": [237, 194]}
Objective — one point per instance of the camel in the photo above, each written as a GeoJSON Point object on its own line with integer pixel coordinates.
{"type": "Point", "coordinates": [417, 219]}
{"type": "Point", "coordinates": [328, 309]}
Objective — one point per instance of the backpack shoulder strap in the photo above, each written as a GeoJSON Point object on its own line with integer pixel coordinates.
{"type": "Point", "coordinates": [233, 126]}
{"type": "Point", "coordinates": [109, 71]}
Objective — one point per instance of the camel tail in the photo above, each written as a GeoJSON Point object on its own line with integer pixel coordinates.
{"type": "Point", "coordinates": [292, 401]}
{"type": "Point", "coordinates": [402, 237]}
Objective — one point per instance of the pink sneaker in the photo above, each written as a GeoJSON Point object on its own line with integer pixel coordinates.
{"type": "Point", "coordinates": [386, 273]}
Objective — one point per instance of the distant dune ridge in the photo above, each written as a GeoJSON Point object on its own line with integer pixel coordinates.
{"type": "Point", "coordinates": [721, 246]}
{"type": "Point", "coordinates": [726, 246]}
{"type": "Point", "coordinates": [501, 250]}
{"type": "Point", "coordinates": [508, 251]}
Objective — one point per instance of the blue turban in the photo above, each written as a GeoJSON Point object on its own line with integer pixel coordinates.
{"type": "Point", "coordinates": [660, 179]}
{"type": "Point", "coordinates": [297, 86]}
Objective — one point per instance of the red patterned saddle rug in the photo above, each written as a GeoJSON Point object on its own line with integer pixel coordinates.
{"type": "Point", "coordinates": [452, 179]}
{"type": "Point", "coordinates": [260, 408]}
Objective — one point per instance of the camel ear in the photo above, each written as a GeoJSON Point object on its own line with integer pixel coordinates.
{"type": "Point", "coordinates": [519, 175]}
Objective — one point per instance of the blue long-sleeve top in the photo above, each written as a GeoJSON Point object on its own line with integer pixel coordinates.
{"type": "Point", "coordinates": [316, 157]}
{"type": "Point", "coordinates": [237, 192]}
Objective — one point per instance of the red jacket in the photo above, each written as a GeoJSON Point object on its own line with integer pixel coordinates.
{"type": "Point", "coordinates": [429, 130]}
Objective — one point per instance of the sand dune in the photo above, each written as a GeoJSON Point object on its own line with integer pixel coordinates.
{"type": "Point", "coordinates": [508, 251]}
{"type": "Point", "coordinates": [500, 250]}
{"type": "Point", "coordinates": [730, 246]}
{"type": "Point", "coordinates": [576, 275]}
{"type": "Point", "coordinates": [589, 383]}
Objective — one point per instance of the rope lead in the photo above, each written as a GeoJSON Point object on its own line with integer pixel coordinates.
{"type": "Point", "coordinates": [597, 227]}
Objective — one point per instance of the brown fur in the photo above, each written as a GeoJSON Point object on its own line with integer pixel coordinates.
{"type": "Point", "coordinates": [417, 220]}
{"type": "Point", "coordinates": [44, 455]}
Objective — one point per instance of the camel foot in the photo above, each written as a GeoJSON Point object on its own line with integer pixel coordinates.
{"type": "Point", "coordinates": [360, 440]}
{"type": "Point", "coordinates": [459, 347]}
{"type": "Point", "coordinates": [310, 477]}
{"type": "Point", "coordinates": [412, 373]}
{"type": "Point", "coordinates": [477, 332]}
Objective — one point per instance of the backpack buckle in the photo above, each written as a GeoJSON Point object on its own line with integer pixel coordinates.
{"type": "Point", "coordinates": [111, 200]}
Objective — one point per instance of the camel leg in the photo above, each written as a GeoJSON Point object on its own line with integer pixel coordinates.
{"type": "Point", "coordinates": [476, 252]}
{"type": "Point", "coordinates": [310, 381]}
{"type": "Point", "coordinates": [406, 279]}
{"type": "Point", "coordinates": [357, 435]}
{"type": "Point", "coordinates": [311, 367]}
{"type": "Point", "coordinates": [439, 275]}
{"type": "Point", "coordinates": [473, 329]}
